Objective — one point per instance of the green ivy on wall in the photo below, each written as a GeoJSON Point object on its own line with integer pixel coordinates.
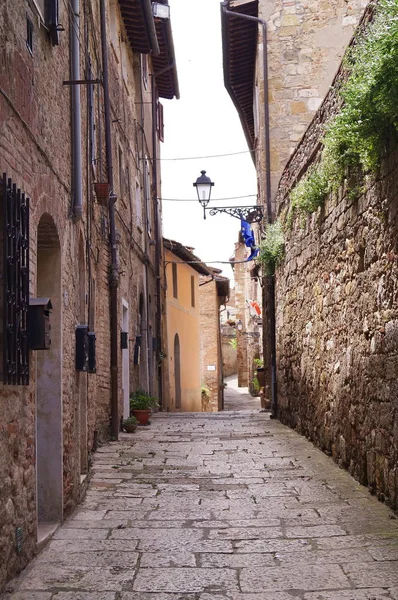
{"type": "Point", "coordinates": [356, 138]}
{"type": "Point", "coordinates": [272, 247]}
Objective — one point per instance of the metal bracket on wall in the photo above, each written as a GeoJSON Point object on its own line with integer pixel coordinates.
{"type": "Point", "coordinates": [251, 214]}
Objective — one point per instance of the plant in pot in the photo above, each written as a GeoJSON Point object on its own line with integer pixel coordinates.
{"type": "Point", "coordinates": [141, 405]}
{"type": "Point", "coordinates": [260, 371]}
{"type": "Point", "coordinates": [130, 424]}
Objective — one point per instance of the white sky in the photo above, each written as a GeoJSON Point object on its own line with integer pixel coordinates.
{"type": "Point", "coordinates": [203, 122]}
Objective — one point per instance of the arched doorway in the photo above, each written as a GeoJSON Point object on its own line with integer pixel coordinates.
{"type": "Point", "coordinates": [177, 371]}
{"type": "Point", "coordinates": [49, 380]}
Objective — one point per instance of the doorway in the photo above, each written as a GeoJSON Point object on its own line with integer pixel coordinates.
{"type": "Point", "coordinates": [82, 376]}
{"type": "Point", "coordinates": [126, 362]}
{"type": "Point", "coordinates": [49, 452]}
{"type": "Point", "coordinates": [177, 371]}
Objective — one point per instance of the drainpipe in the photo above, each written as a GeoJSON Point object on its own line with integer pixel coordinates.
{"type": "Point", "coordinates": [77, 196]}
{"type": "Point", "coordinates": [157, 232]}
{"type": "Point", "coordinates": [157, 243]}
{"type": "Point", "coordinates": [271, 283]}
{"type": "Point", "coordinates": [114, 267]}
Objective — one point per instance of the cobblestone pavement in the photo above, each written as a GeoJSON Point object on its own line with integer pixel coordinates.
{"type": "Point", "coordinates": [228, 506]}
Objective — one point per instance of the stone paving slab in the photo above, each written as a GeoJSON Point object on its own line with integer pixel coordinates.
{"type": "Point", "coordinates": [229, 506]}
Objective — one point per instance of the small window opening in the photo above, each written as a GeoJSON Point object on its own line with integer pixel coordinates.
{"type": "Point", "coordinates": [175, 282]}
{"type": "Point", "coordinates": [192, 291]}
{"type": "Point", "coordinates": [29, 35]}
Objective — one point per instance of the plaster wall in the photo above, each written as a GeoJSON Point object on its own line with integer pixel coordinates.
{"type": "Point", "coordinates": [183, 319]}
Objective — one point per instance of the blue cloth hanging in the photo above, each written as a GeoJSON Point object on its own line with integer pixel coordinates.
{"type": "Point", "coordinates": [248, 238]}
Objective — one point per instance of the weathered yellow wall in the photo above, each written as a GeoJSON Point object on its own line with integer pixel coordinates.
{"type": "Point", "coordinates": [183, 319]}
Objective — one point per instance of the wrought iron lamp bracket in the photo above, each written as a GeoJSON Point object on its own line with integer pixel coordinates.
{"type": "Point", "coordinates": [251, 214]}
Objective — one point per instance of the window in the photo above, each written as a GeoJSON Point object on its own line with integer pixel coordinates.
{"type": "Point", "coordinates": [121, 173]}
{"type": "Point", "coordinates": [114, 27]}
{"type": "Point", "coordinates": [147, 190]}
{"type": "Point", "coordinates": [192, 291]}
{"type": "Point", "coordinates": [175, 282]}
{"type": "Point", "coordinates": [49, 14]}
{"type": "Point", "coordinates": [14, 283]}
{"type": "Point", "coordinates": [29, 35]}
{"type": "Point", "coordinates": [160, 121]}
{"type": "Point", "coordinates": [138, 205]}
{"type": "Point", "coordinates": [144, 70]}
{"type": "Point", "coordinates": [91, 115]}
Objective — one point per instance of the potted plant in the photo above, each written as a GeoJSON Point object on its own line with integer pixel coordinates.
{"type": "Point", "coordinates": [260, 371]}
{"type": "Point", "coordinates": [130, 424]}
{"type": "Point", "coordinates": [141, 405]}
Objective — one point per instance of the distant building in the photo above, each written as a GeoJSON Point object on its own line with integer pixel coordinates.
{"type": "Point", "coordinates": [194, 294]}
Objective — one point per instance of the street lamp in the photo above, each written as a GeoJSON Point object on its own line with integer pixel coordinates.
{"type": "Point", "coordinates": [251, 214]}
{"type": "Point", "coordinates": [160, 10]}
{"type": "Point", "coordinates": [203, 186]}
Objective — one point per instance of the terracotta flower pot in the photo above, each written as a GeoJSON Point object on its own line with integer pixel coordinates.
{"type": "Point", "coordinates": [260, 373]}
{"type": "Point", "coordinates": [142, 415]}
{"type": "Point", "coordinates": [102, 191]}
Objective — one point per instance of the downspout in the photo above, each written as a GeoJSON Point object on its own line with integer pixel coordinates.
{"type": "Point", "coordinates": [157, 229]}
{"type": "Point", "coordinates": [77, 195]}
{"type": "Point", "coordinates": [157, 244]}
{"type": "Point", "coordinates": [147, 6]}
{"type": "Point", "coordinates": [114, 268]}
{"type": "Point", "coordinates": [271, 286]}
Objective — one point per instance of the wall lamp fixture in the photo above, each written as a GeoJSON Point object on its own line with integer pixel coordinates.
{"type": "Point", "coordinates": [162, 11]}
{"type": "Point", "coordinates": [253, 334]}
{"type": "Point", "coordinates": [251, 214]}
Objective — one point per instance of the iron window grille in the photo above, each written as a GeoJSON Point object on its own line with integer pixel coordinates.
{"type": "Point", "coordinates": [14, 283]}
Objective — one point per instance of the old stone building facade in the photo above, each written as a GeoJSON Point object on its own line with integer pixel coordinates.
{"type": "Point", "coordinates": [80, 124]}
{"type": "Point", "coordinates": [276, 89]}
{"type": "Point", "coordinates": [213, 294]}
{"type": "Point", "coordinates": [248, 302]}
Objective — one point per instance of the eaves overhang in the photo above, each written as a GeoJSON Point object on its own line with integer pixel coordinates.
{"type": "Point", "coordinates": [222, 284]}
{"type": "Point", "coordinates": [239, 42]}
{"type": "Point", "coordinates": [150, 35]}
{"type": "Point", "coordinates": [164, 64]}
{"type": "Point", "coordinates": [186, 256]}
{"type": "Point", "coordinates": [140, 25]}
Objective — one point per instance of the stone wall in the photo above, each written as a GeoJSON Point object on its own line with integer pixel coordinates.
{"type": "Point", "coordinates": [337, 321]}
{"type": "Point", "coordinates": [306, 42]}
{"type": "Point", "coordinates": [229, 352]}
{"type": "Point", "coordinates": [210, 341]}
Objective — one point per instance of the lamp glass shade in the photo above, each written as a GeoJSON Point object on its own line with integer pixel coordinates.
{"type": "Point", "coordinates": [162, 11]}
{"type": "Point", "coordinates": [203, 186]}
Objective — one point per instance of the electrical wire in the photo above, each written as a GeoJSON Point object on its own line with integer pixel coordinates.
{"type": "Point", "coordinates": [213, 199]}
{"type": "Point", "coordinates": [208, 262]}
{"type": "Point", "coordinates": [211, 156]}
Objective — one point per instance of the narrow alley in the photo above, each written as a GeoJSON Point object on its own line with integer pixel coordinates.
{"type": "Point", "coordinates": [226, 505]}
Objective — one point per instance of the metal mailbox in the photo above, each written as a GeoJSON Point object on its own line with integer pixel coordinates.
{"type": "Point", "coordinates": [39, 326]}
{"type": "Point", "coordinates": [82, 348]}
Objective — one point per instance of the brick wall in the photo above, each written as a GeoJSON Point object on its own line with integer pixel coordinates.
{"type": "Point", "coordinates": [210, 335]}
